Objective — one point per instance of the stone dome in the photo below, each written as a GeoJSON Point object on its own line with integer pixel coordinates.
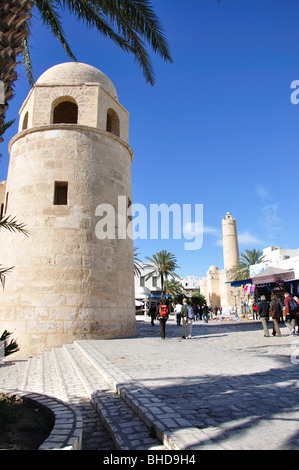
{"type": "Point", "coordinates": [213, 268]}
{"type": "Point", "coordinates": [76, 73]}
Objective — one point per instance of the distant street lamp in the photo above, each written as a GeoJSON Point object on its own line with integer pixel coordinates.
{"type": "Point", "coordinates": [235, 296]}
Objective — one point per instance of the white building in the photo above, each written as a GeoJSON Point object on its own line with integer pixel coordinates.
{"type": "Point", "coordinates": [278, 257]}
{"type": "Point", "coordinates": [146, 287]}
{"type": "Point", "coordinates": [190, 284]}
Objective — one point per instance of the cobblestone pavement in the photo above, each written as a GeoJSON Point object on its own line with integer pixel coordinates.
{"type": "Point", "coordinates": [230, 381]}
{"type": "Point", "coordinates": [229, 387]}
{"type": "Point", "coordinates": [38, 374]}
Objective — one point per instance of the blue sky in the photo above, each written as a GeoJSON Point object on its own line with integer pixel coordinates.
{"type": "Point", "coordinates": [218, 128]}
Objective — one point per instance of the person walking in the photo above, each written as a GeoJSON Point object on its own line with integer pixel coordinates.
{"type": "Point", "coordinates": [263, 309]}
{"type": "Point", "coordinates": [200, 312]}
{"type": "Point", "coordinates": [290, 311]}
{"type": "Point", "coordinates": [275, 312]}
{"type": "Point", "coordinates": [194, 308]}
{"type": "Point", "coordinates": [187, 318]}
{"type": "Point", "coordinates": [178, 309]}
{"type": "Point", "coordinates": [297, 313]}
{"type": "Point", "coordinates": [153, 313]}
{"type": "Point", "coordinates": [254, 311]}
{"type": "Point", "coordinates": [163, 317]}
{"type": "Point", "coordinates": [205, 313]}
{"type": "Point", "coordinates": [281, 311]}
{"type": "Point", "coordinates": [191, 317]}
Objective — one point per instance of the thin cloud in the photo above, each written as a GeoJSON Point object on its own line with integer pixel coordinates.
{"type": "Point", "coordinates": [211, 230]}
{"type": "Point", "coordinates": [270, 213]}
{"type": "Point", "coordinates": [271, 221]}
{"type": "Point", "coordinates": [247, 238]}
{"type": "Point", "coordinates": [244, 238]}
{"type": "Point", "coordinates": [194, 227]}
{"type": "Point", "coordinates": [191, 228]}
{"type": "Point", "coordinates": [262, 192]}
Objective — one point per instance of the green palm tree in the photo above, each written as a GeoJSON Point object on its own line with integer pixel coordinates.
{"type": "Point", "coordinates": [162, 264]}
{"type": "Point", "coordinates": [175, 289]}
{"type": "Point", "coordinates": [241, 269]}
{"type": "Point", "coordinates": [131, 24]}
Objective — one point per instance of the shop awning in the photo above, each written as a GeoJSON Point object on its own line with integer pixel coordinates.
{"type": "Point", "coordinates": [239, 283]}
{"type": "Point", "coordinates": [272, 274]}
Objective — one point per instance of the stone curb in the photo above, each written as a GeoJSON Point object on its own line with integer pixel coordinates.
{"type": "Point", "coordinates": [68, 426]}
{"type": "Point", "coordinates": [125, 427]}
{"type": "Point", "coordinates": [166, 423]}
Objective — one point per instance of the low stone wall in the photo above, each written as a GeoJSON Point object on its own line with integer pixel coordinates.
{"type": "Point", "coordinates": [68, 427]}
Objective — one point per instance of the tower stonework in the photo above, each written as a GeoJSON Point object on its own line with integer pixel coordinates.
{"type": "Point", "coordinates": [230, 242]}
{"type": "Point", "coordinates": [71, 155]}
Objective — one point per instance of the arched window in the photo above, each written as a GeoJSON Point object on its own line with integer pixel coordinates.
{"type": "Point", "coordinates": [65, 112]}
{"type": "Point", "coordinates": [25, 122]}
{"type": "Point", "coordinates": [112, 124]}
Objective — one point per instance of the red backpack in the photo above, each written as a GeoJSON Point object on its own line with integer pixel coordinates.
{"type": "Point", "coordinates": [163, 311]}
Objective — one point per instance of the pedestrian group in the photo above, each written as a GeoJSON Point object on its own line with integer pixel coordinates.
{"type": "Point", "coordinates": [185, 314]}
{"type": "Point", "coordinates": [274, 309]}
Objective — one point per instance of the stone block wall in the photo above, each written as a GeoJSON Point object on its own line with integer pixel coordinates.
{"type": "Point", "coordinates": [67, 283]}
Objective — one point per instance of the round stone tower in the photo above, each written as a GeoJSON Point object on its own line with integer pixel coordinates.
{"type": "Point", "coordinates": [69, 161]}
{"type": "Point", "coordinates": [230, 242]}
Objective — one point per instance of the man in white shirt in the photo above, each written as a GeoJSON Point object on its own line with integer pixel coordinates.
{"type": "Point", "coordinates": [178, 309]}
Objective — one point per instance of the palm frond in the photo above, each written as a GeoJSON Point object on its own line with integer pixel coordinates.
{"type": "Point", "coordinates": [136, 21]}
{"type": "Point", "coordinates": [27, 59]}
{"type": "Point", "coordinates": [4, 127]}
{"type": "Point", "coordinates": [242, 269]}
{"type": "Point", "coordinates": [12, 225]}
{"type": "Point", "coordinates": [131, 24]}
{"type": "Point", "coordinates": [3, 273]}
{"type": "Point", "coordinates": [139, 15]}
{"type": "Point", "coordinates": [12, 346]}
{"type": "Point", "coordinates": [51, 19]}
{"type": "Point", "coordinates": [92, 16]}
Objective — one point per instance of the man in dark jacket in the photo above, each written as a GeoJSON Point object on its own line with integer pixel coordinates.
{"type": "Point", "coordinates": [263, 309]}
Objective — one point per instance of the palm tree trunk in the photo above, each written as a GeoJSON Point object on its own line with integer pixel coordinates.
{"type": "Point", "coordinates": [166, 285]}
{"type": "Point", "coordinates": [13, 17]}
{"type": "Point", "coordinates": [162, 285]}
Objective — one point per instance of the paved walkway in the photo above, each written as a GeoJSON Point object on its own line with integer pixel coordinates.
{"type": "Point", "coordinates": [228, 387]}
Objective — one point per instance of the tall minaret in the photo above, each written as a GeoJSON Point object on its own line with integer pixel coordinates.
{"type": "Point", "coordinates": [230, 242]}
